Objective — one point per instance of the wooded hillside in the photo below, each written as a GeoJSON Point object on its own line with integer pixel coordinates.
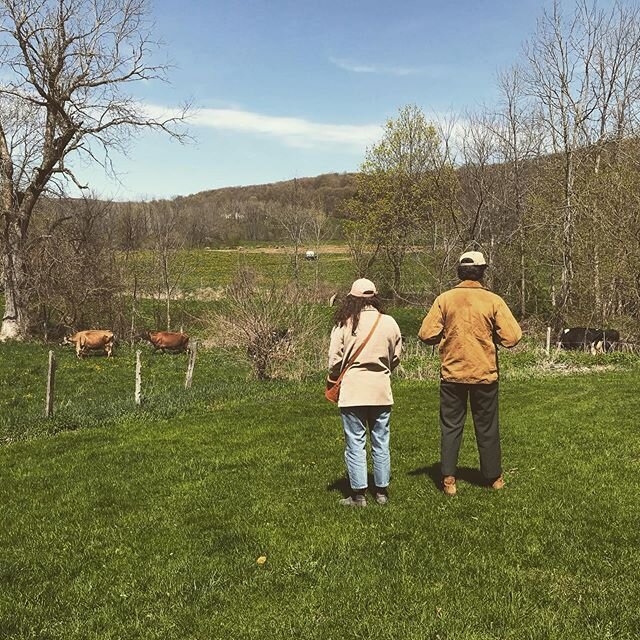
{"type": "Point", "coordinates": [233, 215]}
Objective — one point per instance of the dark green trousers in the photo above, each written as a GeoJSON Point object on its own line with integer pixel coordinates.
{"type": "Point", "coordinates": [453, 412]}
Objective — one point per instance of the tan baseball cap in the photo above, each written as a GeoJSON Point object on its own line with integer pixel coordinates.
{"type": "Point", "coordinates": [363, 288]}
{"type": "Point", "coordinates": [472, 258]}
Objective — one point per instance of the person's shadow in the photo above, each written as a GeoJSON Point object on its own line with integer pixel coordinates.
{"type": "Point", "coordinates": [342, 485]}
{"type": "Point", "coordinates": [466, 474]}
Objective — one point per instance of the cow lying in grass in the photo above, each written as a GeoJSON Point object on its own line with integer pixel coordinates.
{"type": "Point", "coordinates": [595, 340]}
{"type": "Point", "coordinates": [163, 341]}
{"type": "Point", "coordinates": [91, 340]}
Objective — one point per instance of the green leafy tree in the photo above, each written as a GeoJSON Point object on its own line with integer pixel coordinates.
{"type": "Point", "coordinates": [397, 192]}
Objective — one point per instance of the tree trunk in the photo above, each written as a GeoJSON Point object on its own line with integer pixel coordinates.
{"type": "Point", "coordinates": [597, 285]}
{"type": "Point", "coordinates": [568, 228]}
{"type": "Point", "coordinates": [523, 244]}
{"type": "Point", "coordinates": [489, 275]}
{"type": "Point", "coordinates": [317, 264]}
{"type": "Point", "coordinates": [397, 278]}
{"type": "Point", "coordinates": [134, 300]}
{"type": "Point", "coordinates": [14, 319]}
{"type": "Point", "coordinates": [167, 288]}
{"type": "Point", "coordinates": [296, 262]}
{"type": "Point", "coordinates": [523, 277]}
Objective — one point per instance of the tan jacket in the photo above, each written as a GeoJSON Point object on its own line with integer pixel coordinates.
{"type": "Point", "coordinates": [368, 380]}
{"type": "Point", "coordinates": [468, 322]}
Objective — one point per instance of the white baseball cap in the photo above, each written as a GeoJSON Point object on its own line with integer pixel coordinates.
{"type": "Point", "coordinates": [472, 258]}
{"type": "Point", "coordinates": [363, 288]}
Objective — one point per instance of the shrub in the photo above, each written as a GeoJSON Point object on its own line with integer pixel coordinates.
{"type": "Point", "coordinates": [275, 329]}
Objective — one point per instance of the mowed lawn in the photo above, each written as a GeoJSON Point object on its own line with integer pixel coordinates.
{"type": "Point", "coordinates": [149, 524]}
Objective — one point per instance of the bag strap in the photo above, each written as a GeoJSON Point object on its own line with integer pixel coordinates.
{"type": "Point", "coordinates": [352, 359]}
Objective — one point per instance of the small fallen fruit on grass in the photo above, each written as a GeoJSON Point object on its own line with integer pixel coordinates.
{"type": "Point", "coordinates": [261, 560]}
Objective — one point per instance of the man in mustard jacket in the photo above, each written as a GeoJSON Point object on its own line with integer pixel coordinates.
{"type": "Point", "coordinates": [469, 322]}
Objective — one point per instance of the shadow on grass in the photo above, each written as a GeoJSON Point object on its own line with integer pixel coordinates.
{"type": "Point", "coordinates": [93, 353]}
{"type": "Point", "coordinates": [466, 474]}
{"type": "Point", "coordinates": [342, 485]}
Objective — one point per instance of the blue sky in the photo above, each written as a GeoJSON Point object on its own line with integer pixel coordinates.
{"type": "Point", "coordinates": [290, 89]}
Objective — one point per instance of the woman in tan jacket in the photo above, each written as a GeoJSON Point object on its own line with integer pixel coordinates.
{"type": "Point", "coordinates": [365, 394]}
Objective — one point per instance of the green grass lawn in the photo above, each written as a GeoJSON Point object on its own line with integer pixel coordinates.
{"type": "Point", "coordinates": [119, 523]}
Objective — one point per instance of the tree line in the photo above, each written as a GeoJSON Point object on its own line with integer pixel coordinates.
{"type": "Point", "coordinates": [545, 181]}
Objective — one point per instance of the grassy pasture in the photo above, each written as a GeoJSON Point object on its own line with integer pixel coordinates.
{"type": "Point", "coordinates": [125, 523]}
{"type": "Point", "coordinates": [201, 269]}
{"type": "Point", "coordinates": [196, 316]}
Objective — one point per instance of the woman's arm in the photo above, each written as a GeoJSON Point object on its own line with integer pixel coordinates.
{"type": "Point", "coordinates": [396, 343]}
{"type": "Point", "coordinates": [336, 352]}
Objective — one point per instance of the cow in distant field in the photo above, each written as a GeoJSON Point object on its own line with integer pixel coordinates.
{"type": "Point", "coordinates": [582, 338]}
{"type": "Point", "coordinates": [91, 340]}
{"type": "Point", "coordinates": [171, 341]}
{"type": "Point", "coordinates": [604, 340]}
{"type": "Point", "coordinates": [576, 338]}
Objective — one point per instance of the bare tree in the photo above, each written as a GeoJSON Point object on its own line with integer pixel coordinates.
{"type": "Point", "coordinates": [292, 219]}
{"type": "Point", "coordinates": [559, 77]}
{"type": "Point", "coordinates": [479, 148]}
{"type": "Point", "coordinates": [583, 76]}
{"type": "Point", "coordinates": [66, 66]}
{"type": "Point", "coordinates": [318, 231]}
{"type": "Point", "coordinates": [617, 90]}
{"type": "Point", "coordinates": [518, 135]}
{"type": "Point", "coordinates": [271, 327]}
{"type": "Point", "coordinates": [73, 277]}
{"type": "Point", "coordinates": [169, 262]}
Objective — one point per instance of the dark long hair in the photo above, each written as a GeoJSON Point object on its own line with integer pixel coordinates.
{"type": "Point", "coordinates": [350, 310]}
{"type": "Point", "coordinates": [471, 271]}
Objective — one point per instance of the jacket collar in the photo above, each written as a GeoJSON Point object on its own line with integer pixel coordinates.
{"type": "Point", "coordinates": [470, 284]}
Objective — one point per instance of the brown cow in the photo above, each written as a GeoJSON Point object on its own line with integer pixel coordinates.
{"type": "Point", "coordinates": [171, 341]}
{"type": "Point", "coordinates": [92, 339]}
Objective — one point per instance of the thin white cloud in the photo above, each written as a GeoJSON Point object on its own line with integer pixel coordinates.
{"type": "Point", "coordinates": [355, 67]}
{"type": "Point", "coordinates": [294, 132]}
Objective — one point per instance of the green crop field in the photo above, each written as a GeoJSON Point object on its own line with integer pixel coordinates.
{"type": "Point", "coordinates": [199, 269]}
{"type": "Point", "coordinates": [131, 523]}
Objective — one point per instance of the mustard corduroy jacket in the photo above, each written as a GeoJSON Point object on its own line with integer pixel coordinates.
{"type": "Point", "coordinates": [468, 322]}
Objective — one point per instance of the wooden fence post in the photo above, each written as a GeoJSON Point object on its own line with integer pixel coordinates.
{"type": "Point", "coordinates": [548, 341]}
{"type": "Point", "coordinates": [51, 380]}
{"type": "Point", "coordinates": [138, 378]}
{"type": "Point", "coordinates": [191, 365]}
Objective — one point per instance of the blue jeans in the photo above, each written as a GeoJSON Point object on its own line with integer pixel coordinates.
{"type": "Point", "coordinates": [355, 421]}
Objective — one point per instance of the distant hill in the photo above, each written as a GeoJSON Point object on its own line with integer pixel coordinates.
{"type": "Point", "coordinates": [328, 190]}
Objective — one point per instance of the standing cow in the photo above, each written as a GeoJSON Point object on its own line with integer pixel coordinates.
{"type": "Point", "coordinates": [91, 340]}
{"type": "Point", "coordinates": [604, 340]}
{"type": "Point", "coordinates": [171, 341]}
{"type": "Point", "coordinates": [582, 338]}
